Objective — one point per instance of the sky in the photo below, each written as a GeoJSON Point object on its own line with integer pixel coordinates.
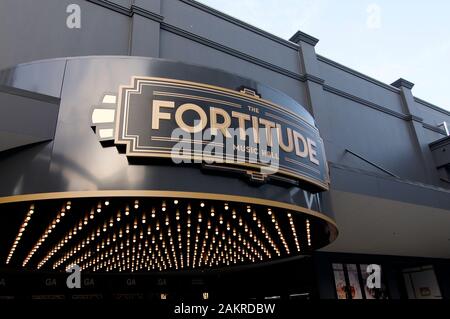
{"type": "Point", "coordinates": [382, 39]}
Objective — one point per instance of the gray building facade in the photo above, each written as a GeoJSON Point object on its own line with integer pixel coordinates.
{"type": "Point", "coordinates": [387, 150]}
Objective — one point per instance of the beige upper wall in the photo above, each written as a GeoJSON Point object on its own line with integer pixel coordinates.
{"type": "Point", "coordinates": [372, 225]}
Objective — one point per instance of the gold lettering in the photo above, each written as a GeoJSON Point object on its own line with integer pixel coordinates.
{"type": "Point", "coordinates": [191, 107]}
{"type": "Point", "coordinates": [304, 147]}
{"type": "Point", "coordinates": [269, 125]}
{"type": "Point", "coordinates": [299, 137]}
{"type": "Point", "coordinates": [157, 114]}
{"type": "Point", "coordinates": [255, 127]}
{"type": "Point", "coordinates": [223, 127]}
{"type": "Point", "coordinates": [284, 147]}
{"type": "Point", "coordinates": [242, 118]}
{"type": "Point", "coordinates": [312, 152]}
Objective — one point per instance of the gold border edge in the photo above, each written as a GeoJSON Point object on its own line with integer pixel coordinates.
{"type": "Point", "coordinates": [167, 193]}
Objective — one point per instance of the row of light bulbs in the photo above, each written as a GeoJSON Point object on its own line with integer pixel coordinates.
{"type": "Point", "coordinates": [50, 228]}
{"type": "Point", "coordinates": [157, 225]}
{"type": "Point", "coordinates": [78, 227]}
{"type": "Point", "coordinates": [308, 232]}
{"type": "Point", "coordinates": [294, 231]}
{"type": "Point", "coordinates": [134, 238]}
{"type": "Point", "coordinates": [120, 259]}
{"type": "Point", "coordinates": [277, 227]}
{"type": "Point", "coordinates": [230, 241]}
{"type": "Point", "coordinates": [96, 233]}
{"type": "Point", "coordinates": [22, 228]}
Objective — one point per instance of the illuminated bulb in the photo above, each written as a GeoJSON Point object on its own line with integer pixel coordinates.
{"type": "Point", "coordinates": [127, 211]}
{"type": "Point", "coordinates": [118, 216]}
{"type": "Point", "coordinates": [136, 204]}
{"type": "Point", "coordinates": [308, 232]}
{"type": "Point", "coordinates": [163, 206]}
{"type": "Point", "coordinates": [175, 201]}
{"type": "Point", "coordinates": [249, 210]}
{"type": "Point", "coordinates": [226, 206]}
{"type": "Point", "coordinates": [68, 206]}
{"type": "Point", "coordinates": [106, 203]}
{"type": "Point", "coordinates": [189, 209]}
{"type": "Point", "coordinates": [202, 204]}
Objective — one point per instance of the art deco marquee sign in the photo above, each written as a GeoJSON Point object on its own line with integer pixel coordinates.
{"type": "Point", "coordinates": [160, 210]}
{"type": "Point", "coordinates": [189, 121]}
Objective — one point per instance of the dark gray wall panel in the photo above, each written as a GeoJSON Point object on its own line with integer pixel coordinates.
{"type": "Point", "coordinates": [27, 116]}
{"type": "Point", "coordinates": [381, 138]}
{"type": "Point", "coordinates": [359, 87]}
{"type": "Point", "coordinates": [431, 135]}
{"type": "Point", "coordinates": [28, 77]}
{"type": "Point", "coordinates": [431, 116]}
{"type": "Point", "coordinates": [21, 164]}
{"type": "Point", "coordinates": [33, 32]}
{"type": "Point", "coordinates": [385, 187]}
{"type": "Point", "coordinates": [123, 3]}
{"type": "Point", "coordinates": [144, 37]}
{"type": "Point", "coordinates": [150, 5]}
{"type": "Point", "coordinates": [178, 48]}
{"type": "Point", "coordinates": [215, 29]}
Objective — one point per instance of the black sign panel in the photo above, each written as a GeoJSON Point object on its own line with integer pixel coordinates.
{"type": "Point", "coordinates": [188, 121]}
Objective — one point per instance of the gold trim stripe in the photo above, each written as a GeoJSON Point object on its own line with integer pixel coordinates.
{"type": "Point", "coordinates": [178, 140]}
{"type": "Point", "coordinates": [214, 88]}
{"type": "Point", "coordinates": [170, 194]}
{"type": "Point", "coordinates": [194, 97]}
{"type": "Point", "coordinates": [290, 160]}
